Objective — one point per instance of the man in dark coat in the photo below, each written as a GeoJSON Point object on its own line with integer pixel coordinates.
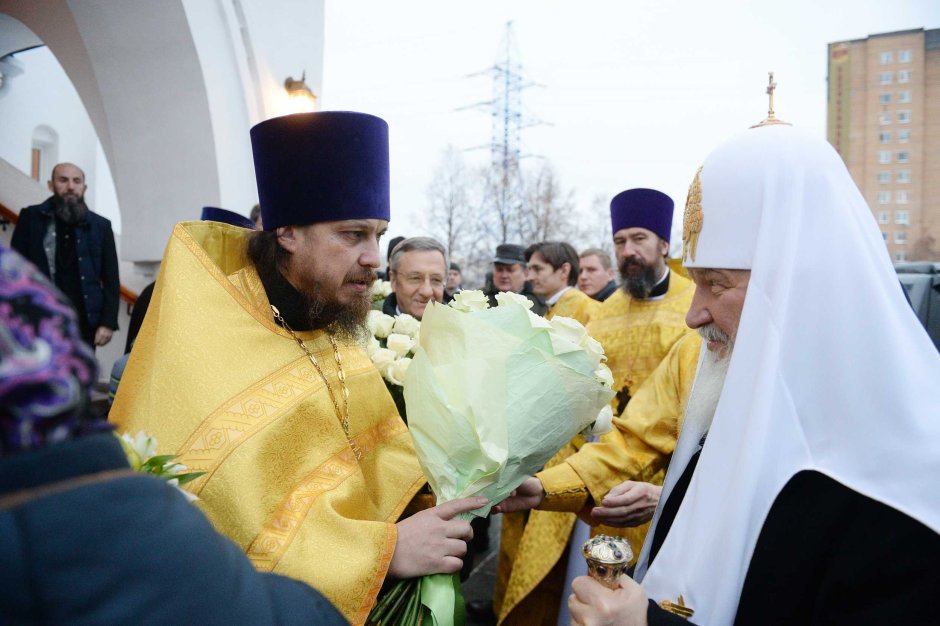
{"type": "Point", "coordinates": [596, 277]}
{"type": "Point", "coordinates": [802, 489]}
{"type": "Point", "coordinates": [509, 270]}
{"type": "Point", "coordinates": [75, 248]}
{"type": "Point", "coordinates": [83, 538]}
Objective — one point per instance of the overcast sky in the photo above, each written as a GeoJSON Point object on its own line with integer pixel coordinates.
{"type": "Point", "coordinates": [635, 93]}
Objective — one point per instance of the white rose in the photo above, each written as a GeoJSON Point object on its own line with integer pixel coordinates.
{"type": "Point", "coordinates": [568, 329]}
{"type": "Point", "coordinates": [382, 358]}
{"type": "Point", "coordinates": [395, 373]}
{"type": "Point", "coordinates": [400, 344]}
{"type": "Point", "coordinates": [471, 300]}
{"type": "Point", "coordinates": [603, 374]}
{"type": "Point", "coordinates": [594, 349]}
{"type": "Point", "coordinates": [504, 298]}
{"type": "Point", "coordinates": [406, 325]}
{"type": "Point", "coordinates": [372, 345]}
{"type": "Point", "coordinates": [604, 422]}
{"type": "Point", "coordinates": [380, 324]}
{"type": "Point", "coordinates": [380, 289]}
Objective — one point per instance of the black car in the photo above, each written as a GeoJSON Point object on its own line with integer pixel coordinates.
{"type": "Point", "coordinates": [921, 281]}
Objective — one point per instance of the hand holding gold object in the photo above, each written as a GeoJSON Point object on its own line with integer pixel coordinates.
{"type": "Point", "coordinates": [607, 558]}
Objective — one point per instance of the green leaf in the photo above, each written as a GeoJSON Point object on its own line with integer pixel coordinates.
{"type": "Point", "coordinates": [186, 478]}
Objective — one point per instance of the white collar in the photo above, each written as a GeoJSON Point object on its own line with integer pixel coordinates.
{"type": "Point", "coordinates": [557, 296]}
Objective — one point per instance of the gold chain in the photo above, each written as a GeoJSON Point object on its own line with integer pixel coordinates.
{"type": "Point", "coordinates": [341, 415]}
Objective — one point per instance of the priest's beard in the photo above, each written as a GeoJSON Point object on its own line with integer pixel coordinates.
{"type": "Point", "coordinates": [71, 209]}
{"type": "Point", "coordinates": [709, 381]}
{"type": "Point", "coordinates": [347, 321]}
{"type": "Point", "coordinates": [639, 277]}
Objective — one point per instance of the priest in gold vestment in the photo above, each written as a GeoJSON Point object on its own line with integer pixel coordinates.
{"type": "Point", "coordinates": [642, 328]}
{"type": "Point", "coordinates": [249, 367]}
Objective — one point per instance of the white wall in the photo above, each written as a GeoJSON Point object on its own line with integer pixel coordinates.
{"type": "Point", "coordinates": [43, 95]}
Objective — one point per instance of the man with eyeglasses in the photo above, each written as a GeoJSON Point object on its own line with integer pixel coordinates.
{"type": "Point", "coordinates": [417, 270]}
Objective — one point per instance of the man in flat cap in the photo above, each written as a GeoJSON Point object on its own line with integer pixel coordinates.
{"type": "Point", "coordinates": [249, 368]}
{"type": "Point", "coordinates": [509, 274]}
{"type": "Point", "coordinates": [642, 328]}
{"type": "Point", "coordinates": [803, 487]}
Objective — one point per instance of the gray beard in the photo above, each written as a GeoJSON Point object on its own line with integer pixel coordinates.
{"type": "Point", "coordinates": [703, 401]}
{"type": "Point", "coordinates": [70, 211]}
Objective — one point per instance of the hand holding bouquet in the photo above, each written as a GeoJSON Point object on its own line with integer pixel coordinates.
{"type": "Point", "coordinates": [492, 395]}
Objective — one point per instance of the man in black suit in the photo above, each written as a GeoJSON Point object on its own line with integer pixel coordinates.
{"type": "Point", "coordinates": [75, 248]}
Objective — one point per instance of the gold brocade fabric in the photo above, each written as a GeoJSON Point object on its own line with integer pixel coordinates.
{"type": "Point", "coordinates": [638, 448]}
{"type": "Point", "coordinates": [216, 381]}
{"type": "Point", "coordinates": [574, 304]}
{"type": "Point", "coordinates": [637, 334]}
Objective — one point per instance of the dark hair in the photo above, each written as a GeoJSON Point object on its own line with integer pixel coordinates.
{"type": "Point", "coordinates": [600, 254]}
{"type": "Point", "coordinates": [255, 213]}
{"type": "Point", "coordinates": [556, 254]}
{"type": "Point", "coordinates": [391, 246]}
{"type": "Point", "coordinates": [265, 253]}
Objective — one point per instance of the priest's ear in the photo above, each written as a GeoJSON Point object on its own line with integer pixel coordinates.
{"type": "Point", "coordinates": [288, 238]}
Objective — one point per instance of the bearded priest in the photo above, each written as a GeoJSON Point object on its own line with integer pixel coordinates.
{"type": "Point", "coordinates": [803, 486]}
{"type": "Point", "coordinates": [249, 367]}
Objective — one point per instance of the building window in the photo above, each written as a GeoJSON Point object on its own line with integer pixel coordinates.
{"type": "Point", "coordinates": [884, 177]}
{"type": "Point", "coordinates": [904, 176]}
{"type": "Point", "coordinates": [900, 236]}
{"type": "Point", "coordinates": [904, 136]}
{"type": "Point", "coordinates": [884, 156]}
{"type": "Point", "coordinates": [900, 197]}
{"type": "Point", "coordinates": [904, 156]}
{"type": "Point", "coordinates": [884, 118]}
{"type": "Point", "coordinates": [904, 117]}
{"type": "Point", "coordinates": [885, 78]}
{"type": "Point", "coordinates": [900, 256]}
{"type": "Point", "coordinates": [884, 136]}
{"type": "Point", "coordinates": [884, 235]}
{"type": "Point", "coordinates": [883, 218]}
{"type": "Point", "coordinates": [904, 56]}
{"type": "Point", "coordinates": [904, 76]}
{"type": "Point", "coordinates": [887, 58]}
{"type": "Point", "coordinates": [884, 197]}
{"type": "Point", "coordinates": [902, 217]}
{"type": "Point", "coordinates": [904, 97]}
{"type": "Point", "coordinates": [884, 98]}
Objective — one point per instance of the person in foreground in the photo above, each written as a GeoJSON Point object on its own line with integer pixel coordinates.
{"type": "Point", "coordinates": [250, 367]}
{"type": "Point", "coordinates": [803, 486]}
{"type": "Point", "coordinates": [83, 538]}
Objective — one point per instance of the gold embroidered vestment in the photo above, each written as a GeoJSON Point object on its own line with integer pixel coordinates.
{"type": "Point", "coordinates": [216, 381]}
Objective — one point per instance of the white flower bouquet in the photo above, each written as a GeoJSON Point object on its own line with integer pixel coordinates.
{"type": "Point", "coordinates": [141, 452]}
{"type": "Point", "coordinates": [391, 346]}
{"type": "Point", "coordinates": [492, 395]}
